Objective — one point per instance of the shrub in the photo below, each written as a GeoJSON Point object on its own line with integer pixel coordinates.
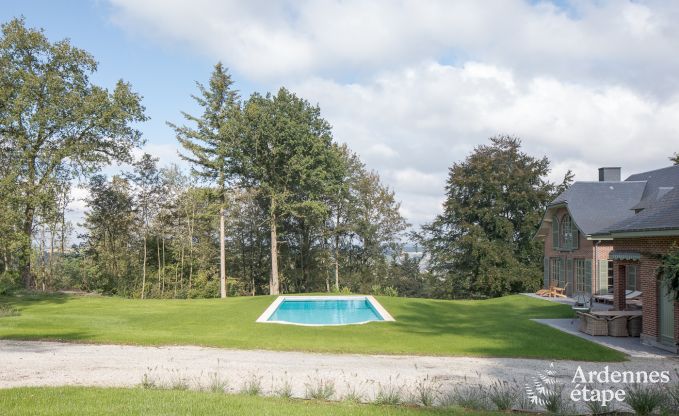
{"type": "Point", "coordinates": [217, 384]}
{"type": "Point", "coordinates": [467, 396]}
{"type": "Point", "coordinates": [644, 399]}
{"type": "Point", "coordinates": [426, 392]}
{"type": "Point", "coordinates": [252, 386]}
{"type": "Point", "coordinates": [320, 389]}
{"type": "Point", "coordinates": [503, 395]}
{"type": "Point", "coordinates": [389, 394]}
{"type": "Point", "coordinates": [8, 310]}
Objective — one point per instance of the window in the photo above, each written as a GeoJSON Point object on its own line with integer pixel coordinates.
{"type": "Point", "coordinates": [579, 275]}
{"type": "Point", "coordinates": [631, 277]}
{"type": "Point", "coordinates": [611, 279]}
{"type": "Point", "coordinates": [555, 275]}
{"type": "Point", "coordinates": [565, 233]}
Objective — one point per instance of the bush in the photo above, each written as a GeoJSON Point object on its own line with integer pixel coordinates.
{"type": "Point", "coordinates": [320, 389]}
{"type": "Point", "coordinates": [9, 281]}
{"type": "Point", "coordinates": [644, 399]}
{"type": "Point", "coordinates": [8, 310]}
{"type": "Point", "coordinates": [503, 395]}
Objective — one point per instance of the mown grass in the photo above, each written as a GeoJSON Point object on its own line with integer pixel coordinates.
{"type": "Point", "coordinates": [496, 327]}
{"type": "Point", "coordinates": [99, 401]}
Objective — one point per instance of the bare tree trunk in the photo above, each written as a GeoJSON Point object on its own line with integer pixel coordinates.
{"type": "Point", "coordinates": [143, 268]}
{"type": "Point", "coordinates": [222, 256]}
{"type": "Point", "coordinates": [181, 268]}
{"type": "Point", "coordinates": [193, 213]}
{"type": "Point", "coordinates": [25, 255]}
{"type": "Point", "coordinates": [162, 285]}
{"type": "Point", "coordinates": [41, 257]}
{"type": "Point", "coordinates": [274, 284]}
{"type": "Point", "coordinates": [336, 255]}
{"type": "Point", "coordinates": [158, 254]}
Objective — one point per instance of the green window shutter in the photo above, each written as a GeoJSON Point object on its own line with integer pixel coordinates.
{"type": "Point", "coordinates": [555, 232]}
{"type": "Point", "coordinates": [575, 242]}
{"type": "Point", "coordinates": [588, 275]}
{"type": "Point", "coordinates": [562, 273]}
{"type": "Point", "coordinates": [603, 277]}
{"type": "Point", "coordinates": [545, 276]}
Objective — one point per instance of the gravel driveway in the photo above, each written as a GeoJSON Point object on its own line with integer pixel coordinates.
{"type": "Point", "coordinates": [29, 363]}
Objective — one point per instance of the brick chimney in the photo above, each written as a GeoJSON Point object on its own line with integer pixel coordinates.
{"type": "Point", "coordinates": [609, 174]}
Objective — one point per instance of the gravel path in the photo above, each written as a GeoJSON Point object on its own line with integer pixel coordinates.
{"type": "Point", "coordinates": [28, 363]}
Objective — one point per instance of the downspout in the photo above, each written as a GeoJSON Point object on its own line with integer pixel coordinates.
{"type": "Point", "coordinates": [596, 266]}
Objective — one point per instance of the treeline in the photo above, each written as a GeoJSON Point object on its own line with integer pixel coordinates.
{"type": "Point", "coordinates": [301, 213]}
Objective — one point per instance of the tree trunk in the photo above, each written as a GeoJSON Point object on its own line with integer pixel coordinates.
{"type": "Point", "coordinates": [222, 255]}
{"type": "Point", "coordinates": [143, 268]}
{"type": "Point", "coordinates": [25, 255]}
{"type": "Point", "coordinates": [162, 285]}
{"type": "Point", "coordinates": [274, 283]}
{"type": "Point", "coordinates": [336, 262]}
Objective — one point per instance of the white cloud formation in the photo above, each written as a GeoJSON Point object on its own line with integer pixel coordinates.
{"type": "Point", "coordinates": [414, 86]}
{"type": "Point", "coordinates": [611, 40]}
{"type": "Point", "coordinates": [432, 115]}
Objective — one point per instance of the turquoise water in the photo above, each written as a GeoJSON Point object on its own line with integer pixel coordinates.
{"type": "Point", "coordinates": [325, 312]}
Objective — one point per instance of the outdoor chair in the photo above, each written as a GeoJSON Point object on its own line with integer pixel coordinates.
{"type": "Point", "coordinates": [634, 326]}
{"type": "Point", "coordinates": [583, 303]}
{"type": "Point", "coordinates": [595, 325]}
{"type": "Point", "coordinates": [617, 326]}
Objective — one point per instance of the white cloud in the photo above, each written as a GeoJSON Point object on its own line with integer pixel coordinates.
{"type": "Point", "coordinates": [432, 115]}
{"type": "Point", "coordinates": [622, 41]}
{"type": "Point", "coordinates": [413, 86]}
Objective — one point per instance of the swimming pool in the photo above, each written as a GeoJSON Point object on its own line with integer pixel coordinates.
{"type": "Point", "coordinates": [324, 310]}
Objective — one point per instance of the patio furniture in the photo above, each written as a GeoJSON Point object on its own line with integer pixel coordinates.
{"type": "Point", "coordinates": [583, 303]}
{"type": "Point", "coordinates": [560, 291]}
{"type": "Point", "coordinates": [594, 325]}
{"type": "Point", "coordinates": [629, 295]}
{"type": "Point", "coordinates": [634, 326]}
{"type": "Point", "coordinates": [553, 291]}
{"type": "Point", "coordinates": [617, 326]}
{"type": "Point", "coordinates": [610, 314]}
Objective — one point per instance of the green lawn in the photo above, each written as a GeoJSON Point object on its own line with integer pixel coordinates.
{"type": "Point", "coordinates": [497, 327]}
{"type": "Point", "coordinates": [98, 401]}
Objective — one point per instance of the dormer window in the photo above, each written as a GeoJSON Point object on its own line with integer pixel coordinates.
{"type": "Point", "coordinates": [565, 234]}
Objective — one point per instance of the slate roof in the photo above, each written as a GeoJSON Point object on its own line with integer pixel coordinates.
{"type": "Point", "coordinates": [659, 181]}
{"type": "Point", "coordinates": [659, 216]}
{"type": "Point", "coordinates": [597, 205]}
{"type": "Point", "coordinates": [647, 201]}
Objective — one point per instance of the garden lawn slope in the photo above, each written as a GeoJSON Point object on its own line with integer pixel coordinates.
{"type": "Point", "coordinates": [500, 327]}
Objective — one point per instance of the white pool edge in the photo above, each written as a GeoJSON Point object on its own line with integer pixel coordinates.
{"type": "Point", "coordinates": [264, 317]}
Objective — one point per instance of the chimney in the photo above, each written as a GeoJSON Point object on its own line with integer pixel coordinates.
{"type": "Point", "coordinates": [609, 174]}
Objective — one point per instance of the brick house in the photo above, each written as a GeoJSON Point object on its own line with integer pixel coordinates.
{"type": "Point", "coordinates": [604, 237]}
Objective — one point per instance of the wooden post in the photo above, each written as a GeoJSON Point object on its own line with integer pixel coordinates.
{"type": "Point", "coordinates": [222, 255]}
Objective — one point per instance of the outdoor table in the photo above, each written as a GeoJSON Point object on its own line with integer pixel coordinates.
{"type": "Point", "coordinates": [610, 314]}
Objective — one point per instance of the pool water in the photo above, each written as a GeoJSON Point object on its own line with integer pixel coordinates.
{"type": "Point", "coordinates": [325, 312]}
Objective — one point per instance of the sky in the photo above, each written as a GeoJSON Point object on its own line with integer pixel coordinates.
{"type": "Point", "coordinates": [411, 86]}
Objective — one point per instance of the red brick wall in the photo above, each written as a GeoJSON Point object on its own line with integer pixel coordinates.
{"type": "Point", "coordinates": [586, 250]}
{"type": "Point", "coordinates": [648, 247]}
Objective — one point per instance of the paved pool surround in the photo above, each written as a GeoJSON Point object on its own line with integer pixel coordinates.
{"type": "Point", "coordinates": [374, 312]}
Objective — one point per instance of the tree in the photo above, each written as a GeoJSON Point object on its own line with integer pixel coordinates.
{"type": "Point", "coordinates": [109, 240]}
{"type": "Point", "coordinates": [495, 199]}
{"type": "Point", "coordinates": [286, 153]}
{"type": "Point", "coordinates": [675, 159]}
{"type": "Point", "coordinates": [147, 189]}
{"type": "Point", "coordinates": [208, 145]}
{"type": "Point", "coordinates": [54, 118]}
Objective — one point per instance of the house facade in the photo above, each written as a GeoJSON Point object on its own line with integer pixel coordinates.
{"type": "Point", "coordinates": [606, 237]}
